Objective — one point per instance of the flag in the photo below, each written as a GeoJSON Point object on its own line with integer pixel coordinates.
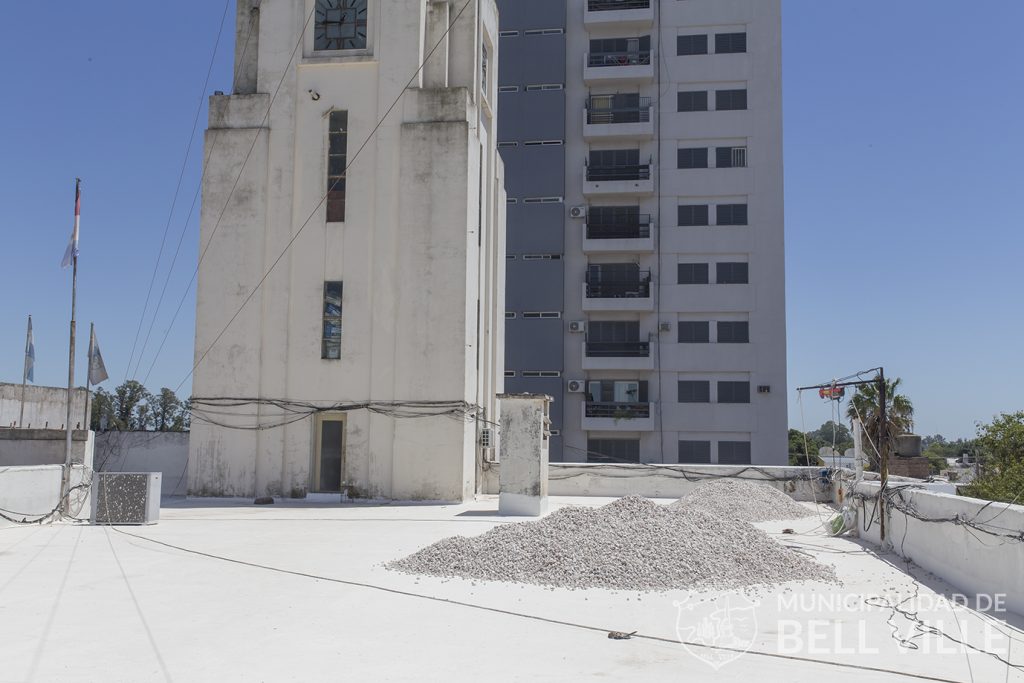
{"type": "Point", "coordinates": [97, 371]}
{"type": "Point", "coordinates": [71, 252]}
{"type": "Point", "coordinates": [30, 355]}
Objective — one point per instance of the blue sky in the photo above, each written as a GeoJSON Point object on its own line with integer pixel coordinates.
{"type": "Point", "coordinates": [903, 136]}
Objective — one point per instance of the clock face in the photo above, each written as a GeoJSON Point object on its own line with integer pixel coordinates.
{"type": "Point", "coordinates": [340, 25]}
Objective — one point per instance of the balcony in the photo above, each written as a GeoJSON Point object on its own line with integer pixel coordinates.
{"type": "Point", "coordinates": [631, 179]}
{"type": "Point", "coordinates": [610, 117]}
{"type": "Point", "coordinates": [634, 66]}
{"type": "Point", "coordinates": [621, 236]}
{"type": "Point", "coordinates": [633, 355]}
{"type": "Point", "coordinates": [622, 417]}
{"type": "Point", "coordinates": [619, 294]}
{"type": "Point", "coordinates": [618, 14]}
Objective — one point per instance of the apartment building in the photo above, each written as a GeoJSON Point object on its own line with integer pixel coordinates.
{"type": "Point", "coordinates": [349, 313]}
{"type": "Point", "coordinates": [643, 146]}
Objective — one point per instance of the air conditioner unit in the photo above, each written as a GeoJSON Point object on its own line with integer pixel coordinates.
{"type": "Point", "coordinates": [665, 327]}
{"type": "Point", "coordinates": [577, 386]}
{"type": "Point", "coordinates": [578, 212]}
{"type": "Point", "coordinates": [125, 498]}
{"type": "Point", "coordinates": [578, 326]}
{"type": "Point", "coordinates": [487, 438]}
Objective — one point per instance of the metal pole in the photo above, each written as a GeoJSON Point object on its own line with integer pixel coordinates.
{"type": "Point", "coordinates": [883, 447]}
{"type": "Point", "coordinates": [24, 374]}
{"type": "Point", "coordinates": [65, 482]}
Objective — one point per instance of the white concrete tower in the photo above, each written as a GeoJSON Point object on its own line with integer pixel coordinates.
{"type": "Point", "coordinates": [369, 359]}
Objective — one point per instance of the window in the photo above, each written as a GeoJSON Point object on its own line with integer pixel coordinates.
{"type": "Point", "coordinates": [730, 42]}
{"type": "Point", "coordinates": [337, 159]}
{"type": "Point", "coordinates": [692, 45]}
{"type": "Point", "coordinates": [510, 373]}
{"type": "Point", "coordinates": [693, 157]}
{"type": "Point", "coordinates": [731, 157]}
{"type": "Point", "coordinates": [733, 332]}
{"type": "Point", "coordinates": [508, 34]}
{"type": "Point", "coordinates": [695, 452]}
{"type": "Point", "coordinates": [510, 315]}
{"type": "Point", "coordinates": [693, 273]}
{"type": "Point", "coordinates": [340, 25]}
{"type": "Point", "coordinates": [694, 391]}
{"type": "Point", "coordinates": [331, 342]}
{"type": "Point", "coordinates": [694, 331]}
{"type": "Point", "coordinates": [542, 314]}
{"type": "Point", "coordinates": [541, 373]}
{"type": "Point", "coordinates": [695, 100]}
{"type": "Point", "coordinates": [730, 99]}
{"type": "Point", "coordinates": [613, 450]}
{"type": "Point", "coordinates": [544, 32]}
{"type": "Point", "coordinates": [734, 392]}
{"type": "Point", "coordinates": [692, 215]}
{"type": "Point", "coordinates": [733, 452]}
{"type": "Point", "coordinates": [731, 214]}
{"type": "Point", "coordinates": [483, 68]}
{"type": "Point", "coordinates": [732, 273]}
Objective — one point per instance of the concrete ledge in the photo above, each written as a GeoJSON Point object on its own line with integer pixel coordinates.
{"type": "Point", "coordinates": [518, 505]}
{"type": "Point", "coordinates": [42, 434]}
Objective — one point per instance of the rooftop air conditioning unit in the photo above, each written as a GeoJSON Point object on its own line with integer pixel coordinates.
{"type": "Point", "coordinates": [577, 386]}
{"type": "Point", "coordinates": [578, 212]}
{"type": "Point", "coordinates": [125, 498]}
{"type": "Point", "coordinates": [578, 326]}
{"type": "Point", "coordinates": [487, 438]}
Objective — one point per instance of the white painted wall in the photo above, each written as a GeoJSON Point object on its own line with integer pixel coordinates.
{"type": "Point", "coordinates": [45, 447]}
{"type": "Point", "coordinates": [422, 242]}
{"type": "Point", "coordinates": [164, 452]}
{"type": "Point", "coordinates": [31, 491]}
{"type": "Point", "coordinates": [44, 406]}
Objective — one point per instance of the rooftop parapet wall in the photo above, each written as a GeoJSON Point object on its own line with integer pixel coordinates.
{"type": "Point", "coordinates": [43, 405]}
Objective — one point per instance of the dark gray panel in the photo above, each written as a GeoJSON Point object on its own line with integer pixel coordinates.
{"type": "Point", "coordinates": [527, 116]}
{"type": "Point", "coordinates": [533, 285]}
{"type": "Point", "coordinates": [534, 171]}
{"type": "Point", "coordinates": [535, 228]}
{"type": "Point", "coordinates": [533, 344]}
{"type": "Point", "coordinates": [542, 59]}
{"type": "Point", "coordinates": [529, 14]}
{"type": "Point", "coordinates": [552, 386]}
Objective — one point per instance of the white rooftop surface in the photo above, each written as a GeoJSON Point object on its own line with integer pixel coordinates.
{"type": "Point", "coordinates": [83, 603]}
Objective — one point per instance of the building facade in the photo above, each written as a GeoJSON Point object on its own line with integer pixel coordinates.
{"type": "Point", "coordinates": [643, 146]}
{"type": "Point", "coordinates": [349, 315]}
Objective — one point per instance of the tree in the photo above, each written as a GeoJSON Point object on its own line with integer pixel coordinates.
{"type": "Point", "coordinates": [1001, 449]}
{"type": "Point", "coordinates": [127, 398]}
{"type": "Point", "coordinates": [102, 415]}
{"type": "Point", "coordinates": [833, 432]}
{"type": "Point", "coordinates": [168, 411]}
{"type": "Point", "coordinates": [899, 411]}
{"type": "Point", "coordinates": [797, 444]}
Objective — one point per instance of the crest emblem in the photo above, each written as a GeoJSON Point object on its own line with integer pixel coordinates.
{"type": "Point", "coordinates": [717, 631]}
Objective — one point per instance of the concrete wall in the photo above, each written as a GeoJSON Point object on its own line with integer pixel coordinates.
{"type": "Point", "coordinates": [28, 492]}
{"type": "Point", "coordinates": [420, 253]}
{"type": "Point", "coordinates": [30, 447]}
{"type": "Point", "coordinates": [44, 406]}
{"type": "Point", "coordinates": [972, 561]}
{"type": "Point", "coordinates": [164, 452]}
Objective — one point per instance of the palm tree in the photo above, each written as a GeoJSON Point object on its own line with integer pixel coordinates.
{"type": "Point", "coordinates": [899, 413]}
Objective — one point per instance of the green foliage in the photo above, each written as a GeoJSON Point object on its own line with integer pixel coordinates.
{"type": "Point", "coordinates": [864, 405]}
{"type": "Point", "coordinates": [1001, 450]}
{"type": "Point", "coordinates": [102, 415]}
{"type": "Point", "coordinates": [168, 410]}
{"type": "Point", "coordinates": [132, 408]}
{"type": "Point", "coordinates": [833, 432]}
{"type": "Point", "coordinates": [797, 454]}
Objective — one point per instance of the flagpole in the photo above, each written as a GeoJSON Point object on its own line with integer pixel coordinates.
{"type": "Point", "coordinates": [65, 484]}
{"type": "Point", "coordinates": [88, 374]}
{"type": "Point", "coordinates": [24, 373]}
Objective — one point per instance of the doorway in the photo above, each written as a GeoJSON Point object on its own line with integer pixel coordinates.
{"type": "Point", "coordinates": [329, 453]}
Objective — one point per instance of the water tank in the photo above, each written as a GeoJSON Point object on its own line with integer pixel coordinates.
{"type": "Point", "coordinates": [908, 445]}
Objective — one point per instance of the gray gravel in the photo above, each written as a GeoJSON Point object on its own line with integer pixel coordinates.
{"type": "Point", "coordinates": [630, 544]}
{"type": "Point", "coordinates": [746, 501]}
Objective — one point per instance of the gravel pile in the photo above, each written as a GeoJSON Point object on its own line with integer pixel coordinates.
{"type": "Point", "coordinates": [630, 544]}
{"type": "Point", "coordinates": [745, 501]}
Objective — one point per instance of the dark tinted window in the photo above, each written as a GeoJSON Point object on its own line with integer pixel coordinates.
{"type": "Point", "coordinates": [734, 392]}
{"type": "Point", "coordinates": [337, 159]}
{"type": "Point", "coordinates": [730, 42]}
{"type": "Point", "coordinates": [732, 273]}
{"type": "Point", "coordinates": [694, 391]}
{"type": "Point", "coordinates": [693, 214]}
{"type": "Point", "coordinates": [613, 450]}
{"type": "Point", "coordinates": [693, 157]}
{"type": "Point", "coordinates": [733, 452]}
{"type": "Point", "coordinates": [695, 452]}
{"type": "Point", "coordinates": [694, 332]}
{"type": "Point", "coordinates": [730, 99]}
{"type": "Point", "coordinates": [731, 214]}
{"type": "Point", "coordinates": [330, 342]}
{"type": "Point", "coordinates": [693, 273]}
{"type": "Point", "coordinates": [733, 332]}
{"type": "Point", "coordinates": [692, 45]}
{"type": "Point", "coordinates": [730, 157]}
{"type": "Point", "coordinates": [696, 100]}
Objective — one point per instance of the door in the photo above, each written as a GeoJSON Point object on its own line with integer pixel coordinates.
{"type": "Point", "coordinates": [329, 454]}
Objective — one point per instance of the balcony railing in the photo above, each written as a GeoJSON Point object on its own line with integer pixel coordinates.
{"type": "Point", "coordinates": [625, 411]}
{"type": "Point", "coordinates": [629, 172]}
{"type": "Point", "coordinates": [640, 288]}
{"type": "Point", "coordinates": [640, 113]}
{"type": "Point", "coordinates": [633, 349]}
{"type": "Point", "coordinates": [611, 5]}
{"type": "Point", "coordinates": [632, 58]}
{"type": "Point", "coordinates": [620, 230]}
